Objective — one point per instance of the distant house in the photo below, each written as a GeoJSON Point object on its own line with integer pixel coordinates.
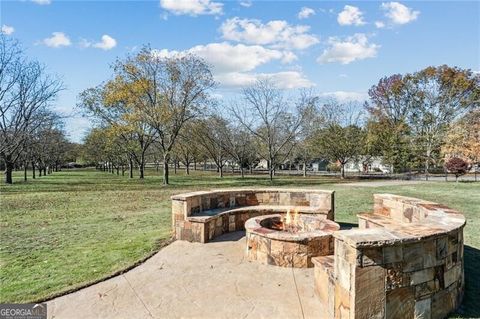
{"type": "Point", "coordinates": [368, 165]}
{"type": "Point", "coordinates": [319, 164]}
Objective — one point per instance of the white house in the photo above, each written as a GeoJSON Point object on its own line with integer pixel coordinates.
{"type": "Point", "coordinates": [368, 165]}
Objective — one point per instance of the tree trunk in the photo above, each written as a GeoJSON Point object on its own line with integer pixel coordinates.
{"type": "Point", "coordinates": [33, 169]}
{"type": "Point", "coordinates": [45, 171]}
{"type": "Point", "coordinates": [118, 170]}
{"type": "Point", "coordinates": [241, 171]}
{"type": "Point", "coordinates": [165, 169]}
{"type": "Point", "coordinates": [270, 173]}
{"type": "Point", "coordinates": [220, 169]}
{"type": "Point", "coordinates": [304, 169]}
{"type": "Point", "coordinates": [342, 169]}
{"type": "Point", "coordinates": [426, 169]}
{"type": "Point", "coordinates": [40, 169]}
{"type": "Point", "coordinates": [8, 170]}
{"type": "Point", "coordinates": [187, 168]}
{"type": "Point", "coordinates": [194, 165]}
{"type": "Point", "coordinates": [175, 167]}
{"type": "Point", "coordinates": [25, 166]}
{"type": "Point", "coordinates": [205, 165]}
{"type": "Point", "coordinates": [131, 167]}
{"type": "Point", "coordinates": [123, 170]}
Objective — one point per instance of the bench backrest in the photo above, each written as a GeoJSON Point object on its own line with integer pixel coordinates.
{"type": "Point", "coordinates": [197, 202]}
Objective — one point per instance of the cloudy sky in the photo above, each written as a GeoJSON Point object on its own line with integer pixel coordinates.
{"type": "Point", "coordinates": [336, 48]}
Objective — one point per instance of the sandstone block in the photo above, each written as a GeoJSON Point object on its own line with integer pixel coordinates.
{"type": "Point", "coordinates": [369, 292]}
{"type": "Point", "coordinates": [426, 289]}
{"type": "Point", "coordinates": [423, 309]}
{"type": "Point", "coordinates": [392, 254]}
{"type": "Point", "coordinates": [430, 254]}
{"type": "Point", "coordinates": [372, 256]}
{"type": "Point", "coordinates": [442, 247]}
{"type": "Point", "coordinates": [400, 303]}
{"type": "Point", "coordinates": [343, 273]}
{"type": "Point", "coordinates": [413, 257]}
{"type": "Point", "coordinates": [342, 303]}
{"type": "Point", "coordinates": [421, 276]}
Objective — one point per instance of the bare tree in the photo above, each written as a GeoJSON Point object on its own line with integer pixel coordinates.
{"type": "Point", "coordinates": [26, 92]}
{"type": "Point", "coordinates": [238, 143]}
{"type": "Point", "coordinates": [272, 120]}
{"type": "Point", "coordinates": [209, 135]}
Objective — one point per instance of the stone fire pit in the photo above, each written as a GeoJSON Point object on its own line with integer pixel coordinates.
{"type": "Point", "coordinates": [289, 240]}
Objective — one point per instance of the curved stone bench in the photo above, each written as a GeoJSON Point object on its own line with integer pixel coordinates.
{"type": "Point", "coordinates": [202, 216]}
{"type": "Point", "coordinates": [404, 261]}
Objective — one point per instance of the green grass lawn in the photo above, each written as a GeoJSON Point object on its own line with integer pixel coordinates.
{"type": "Point", "coordinates": [71, 228]}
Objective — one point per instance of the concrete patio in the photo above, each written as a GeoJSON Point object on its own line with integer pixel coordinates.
{"type": "Point", "coordinates": [193, 280]}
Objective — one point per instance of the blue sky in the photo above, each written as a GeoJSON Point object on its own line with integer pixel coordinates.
{"type": "Point", "coordinates": [337, 48]}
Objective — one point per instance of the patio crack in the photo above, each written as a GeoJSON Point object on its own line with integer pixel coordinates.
{"type": "Point", "coordinates": [138, 297]}
{"type": "Point", "coordinates": [298, 294]}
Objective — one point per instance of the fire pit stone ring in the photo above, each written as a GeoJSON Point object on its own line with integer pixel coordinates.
{"type": "Point", "coordinates": [275, 240]}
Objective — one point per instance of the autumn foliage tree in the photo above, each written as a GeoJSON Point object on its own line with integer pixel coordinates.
{"type": "Point", "coordinates": [457, 166]}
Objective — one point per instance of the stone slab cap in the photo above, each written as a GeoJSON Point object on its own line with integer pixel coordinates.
{"type": "Point", "coordinates": [253, 225]}
{"type": "Point", "coordinates": [439, 220]}
{"type": "Point", "coordinates": [248, 190]}
{"type": "Point", "coordinates": [370, 237]}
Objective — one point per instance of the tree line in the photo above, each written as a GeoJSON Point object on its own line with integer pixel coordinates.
{"type": "Point", "coordinates": [162, 110]}
{"type": "Point", "coordinates": [31, 133]}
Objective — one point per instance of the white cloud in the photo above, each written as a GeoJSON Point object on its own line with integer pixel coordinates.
{"type": "Point", "coordinates": [346, 96]}
{"type": "Point", "coordinates": [283, 80]}
{"type": "Point", "coordinates": [107, 43]}
{"type": "Point", "coordinates": [380, 24]}
{"type": "Point", "coordinates": [192, 7]}
{"type": "Point", "coordinates": [42, 2]}
{"type": "Point", "coordinates": [399, 13]}
{"type": "Point", "coordinates": [226, 57]}
{"type": "Point", "coordinates": [7, 29]}
{"type": "Point", "coordinates": [58, 39]}
{"type": "Point", "coordinates": [305, 13]}
{"type": "Point", "coordinates": [233, 65]}
{"type": "Point", "coordinates": [288, 57]}
{"type": "Point", "coordinates": [345, 51]}
{"type": "Point", "coordinates": [276, 33]}
{"type": "Point", "coordinates": [246, 3]}
{"type": "Point", "coordinates": [350, 15]}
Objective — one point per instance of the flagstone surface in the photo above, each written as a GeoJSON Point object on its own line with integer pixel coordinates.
{"type": "Point", "coordinates": [194, 280]}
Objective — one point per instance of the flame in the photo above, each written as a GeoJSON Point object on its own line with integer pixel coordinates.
{"type": "Point", "coordinates": [288, 218]}
{"type": "Point", "coordinates": [295, 218]}
{"type": "Point", "coordinates": [289, 223]}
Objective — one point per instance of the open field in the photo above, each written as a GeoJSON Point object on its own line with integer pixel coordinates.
{"type": "Point", "coordinates": [72, 228]}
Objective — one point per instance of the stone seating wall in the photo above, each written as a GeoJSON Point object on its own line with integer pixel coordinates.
{"type": "Point", "coordinates": [202, 216]}
{"type": "Point", "coordinates": [404, 261]}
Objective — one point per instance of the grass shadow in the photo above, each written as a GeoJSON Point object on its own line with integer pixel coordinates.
{"type": "Point", "coordinates": [470, 307]}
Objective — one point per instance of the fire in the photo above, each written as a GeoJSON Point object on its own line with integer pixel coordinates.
{"type": "Point", "coordinates": [289, 223]}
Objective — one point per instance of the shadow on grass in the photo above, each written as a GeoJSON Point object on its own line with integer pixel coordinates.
{"type": "Point", "coordinates": [470, 307]}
